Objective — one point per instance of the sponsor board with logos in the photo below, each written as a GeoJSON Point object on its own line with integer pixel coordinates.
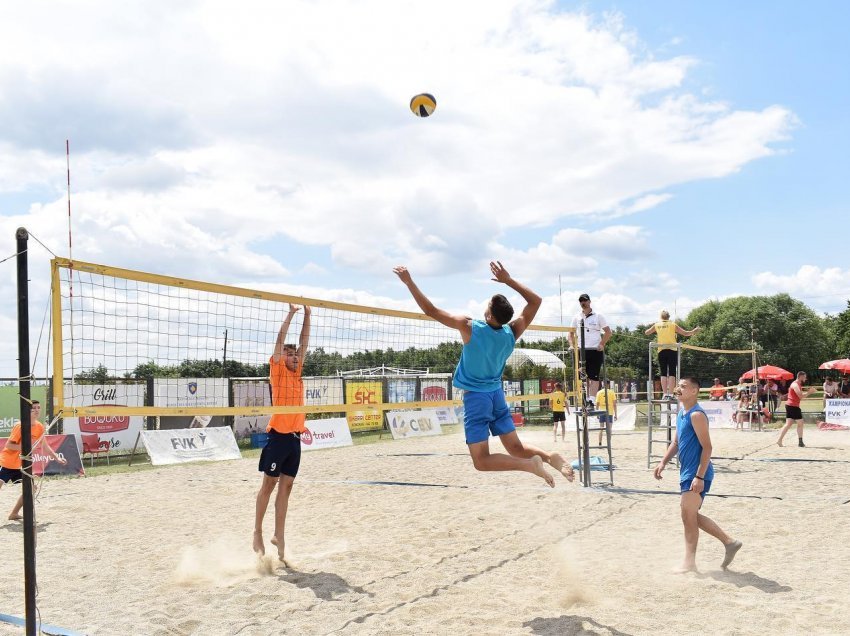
{"type": "Point", "coordinates": [329, 433]}
{"type": "Point", "coordinates": [66, 447]}
{"type": "Point", "coordinates": [837, 412]}
{"type": "Point", "coordinates": [365, 393]}
{"type": "Point", "coordinates": [180, 446]}
{"type": "Point", "coordinates": [720, 413]}
{"type": "Point", "coordinates": [118, 431]}
{"type": "Point", "coordinates": [404, 424]}
{"type": "Point", "coordinates": [10, 405]}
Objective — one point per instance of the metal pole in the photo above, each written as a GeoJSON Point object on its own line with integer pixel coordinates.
{"type": "Point", "coordinates": [22, 237]}
{"type": "Point", "coordinates": [585, 437]}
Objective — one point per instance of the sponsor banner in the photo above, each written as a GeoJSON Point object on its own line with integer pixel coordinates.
{"type": "Point", "coordinates": [245, 425]}
{"type": "Point", "coordinates": [445, 415]}
{"type": "Point", "coordinates": [66, 447]}
{"type": "Point", "coordinates": [404, 424]}
{"type": "Point", "coordinates": [10, 405]}
{"type": "Point", "coordinates": [120, 431]}
{"type": "Point", "coordinates": [626, 415]}
{"type": "Point", "coordinates": [837, 412]}
{"type": "Point", "coordinates": [359, 392]}
{"type": "Point", "coordinates": [531, 387]}
{"type": "Point", "coordinates": [720, 413]}
{"type": "Point", "coordinates": [434, 389]}
{"type": "Point", "coordinates": [189, 392]}
{"type": "Point", "coordinates": [251, 393]}
{"type": "Point", "coordinates": [512, 387]}
{"type": "Point", "coordinates": [401, 390]}
{"type": "Point", "coordinates": [190, 445]}
{"type": "Point", "coordinates": [329, 433]}
{"type": "Point", "coordinates": [322, 391]}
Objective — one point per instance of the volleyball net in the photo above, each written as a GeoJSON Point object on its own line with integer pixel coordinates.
{"type": "Point", "coordinates": [707, 365]}
{"type": "Point", "coordinates": [126, 327]}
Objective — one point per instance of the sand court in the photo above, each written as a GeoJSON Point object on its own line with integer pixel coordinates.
{"type": "Point", "coordinates": [168, 550]}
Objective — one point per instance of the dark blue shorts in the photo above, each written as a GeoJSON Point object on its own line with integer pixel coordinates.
{"type": "Point", "coordinates": [11, 474]}
{"type": "Point", "coordinates": [281, 454]}
{"type": "Point", "coordinates": [686, 486]}
{"type": "Point", "coordinates": [606, 418]}
{"type": "Point", "coordinates": [485, 413]}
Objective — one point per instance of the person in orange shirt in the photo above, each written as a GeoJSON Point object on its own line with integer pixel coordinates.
{"type": "Point", "coordinates": [10, 456]}
{"type": "Point", "coordinates": [281, 456]}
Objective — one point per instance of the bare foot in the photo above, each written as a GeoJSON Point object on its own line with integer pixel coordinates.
{"type": "Point", "coordinates": [540, 471]}
{"type": "Point", "coordinates": [685, 568]}
{"type": "Point", "coordinates": [15, 518]}
{"type": "Point", "coordinates": [779, 442]}
{"type": "Point", "coordinates": [259, 548]}
{"type": "Point", "coordinates": [279, 544]}
{"type": "Point", "coordinates": [731, 551]}
{"type": "Point", "coordinates": [560, 464]}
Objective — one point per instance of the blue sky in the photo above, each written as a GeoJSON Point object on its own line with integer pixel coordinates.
{"type": "Point", "coordinates": [653, 154]}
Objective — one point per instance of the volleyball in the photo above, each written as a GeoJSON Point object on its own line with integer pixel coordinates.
{"type": "Point", "coordinates": [423, 104]}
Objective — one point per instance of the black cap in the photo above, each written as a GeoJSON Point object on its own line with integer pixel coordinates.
{"type": "Point", "coordinates": [583, 297]}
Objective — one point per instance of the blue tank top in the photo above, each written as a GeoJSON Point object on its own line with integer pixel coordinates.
{"type": "Point", "coordinates": [482, 360]}
{"type": "Point", "coordinates": [690, 450]}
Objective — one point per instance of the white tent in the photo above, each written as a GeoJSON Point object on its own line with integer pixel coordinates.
{"type": "Point", "coordinates": [539, 357]}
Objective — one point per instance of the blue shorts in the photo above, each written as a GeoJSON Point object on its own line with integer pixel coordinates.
{"type": "Point", "coordinates": [606, 418]}
{"type": "Point", "coordinates": [686, 486]}
{"type": "Point", "coordinates": [281, 454]}
{"type": "Point", "coordinates": [485, 413]}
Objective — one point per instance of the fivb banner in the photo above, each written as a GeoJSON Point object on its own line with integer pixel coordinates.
{"type": "Point", "coordinates": [120, 431]}
{"type": "Point", "coordinates": [329, 433]}
{"type": "Point", "coordinates": [10, 405]}
{"type": "Point", "coordinates": [180, 446]}
{"type": "Point", "coordinates": [404, 424]}
{"type": "Point", "coordinates": [837, 412]}
{"type": "Point", "coordinates": [720, 413]}
{"type": "Point", "coordinates": [365, 393]}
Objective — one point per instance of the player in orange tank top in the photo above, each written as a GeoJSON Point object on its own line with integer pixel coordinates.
{"type": "Point", "coordinates": [281, 457]}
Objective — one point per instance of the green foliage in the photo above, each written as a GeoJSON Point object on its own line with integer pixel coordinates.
{"type": "Point", "coordinates": [839, 327]}
{"type": "Point", "coordinates": [98, 375]}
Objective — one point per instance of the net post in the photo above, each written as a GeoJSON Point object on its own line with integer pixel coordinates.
{"type": "Point", "coordinates": [22, 237]}
{"type": "Point", "coordinates": [58, 402]}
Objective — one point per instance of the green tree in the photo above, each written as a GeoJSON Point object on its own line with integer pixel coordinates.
{"type": "Point", "coordinates": [840, 328]}
{"type": "Point", "coordinates": [98, 375]}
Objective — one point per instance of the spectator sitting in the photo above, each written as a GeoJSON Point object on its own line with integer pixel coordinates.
{"type": "Point", "coordinates": [718, 391]}
{"type": "Point", "coordinates": [730, 391]}
{"type": "Point", "coordinates": [830, 390]}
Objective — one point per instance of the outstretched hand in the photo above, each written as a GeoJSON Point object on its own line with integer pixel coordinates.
{"type": "Point", "coordinates": [500, 274]}
{"type": "Point", "coordinates": [402, 272]}
{"type": "Point", "coordinates": [293, 309]}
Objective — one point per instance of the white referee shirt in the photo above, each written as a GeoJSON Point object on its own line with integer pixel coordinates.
{"type": "Point", "coordinates": [594, 324]}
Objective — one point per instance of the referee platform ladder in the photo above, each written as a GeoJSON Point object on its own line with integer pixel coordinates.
{"type": "Point", "coordinates": [661, 414]}
{"type": "Point", "coordinates": [584, 423]}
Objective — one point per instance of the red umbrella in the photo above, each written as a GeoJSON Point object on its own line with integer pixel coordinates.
{"type": "Point", "coordinates": [837, 365]}
{"type": "Point", "coordinates": [769, 372]}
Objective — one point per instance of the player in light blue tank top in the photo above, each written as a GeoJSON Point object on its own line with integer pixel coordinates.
{"type": "Point", "coordinates": [486, 346]}
{"type": "Point", "coordinates": [693, 444]}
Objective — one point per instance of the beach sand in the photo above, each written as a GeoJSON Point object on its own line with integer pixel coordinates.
{"type": "Point", "coordinates": [168, 550]}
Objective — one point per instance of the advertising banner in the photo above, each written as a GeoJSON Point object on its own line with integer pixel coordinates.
{"type": "Point", "coordinates": [322, 391]}
{"type": "Point", "coordinates": [444, 415]}
{"type": "Point", "coordinates": [401, 390]}
{"type": "Point", "coordinates": [837, 412]}
{"type": "Point", "coordinates": [434, 389]}
{"type": "Point", "coordinates": [10, 405]}
{"type": "Point", "coordinates": [328, 433]}
{"type": "Point", "coordinates": [531, 387]}
{"type": "Point", "coordinates": [180, 446]}
{"type": "Point", "coordinates": [720, 413]}
{"type": "Point", "coordinates": [120, 431]}
{"type": "Point", "coordinates": [359, 392]}
{"type": "Point", "coordinates": [186, 393]}
{"type": "Point", "coordinates": [66, 447]}
{"type": "Point", "coordinates": [404, 424]}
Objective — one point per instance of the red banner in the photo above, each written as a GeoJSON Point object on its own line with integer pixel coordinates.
{"type": "Point", "coordinates": [66, 447]}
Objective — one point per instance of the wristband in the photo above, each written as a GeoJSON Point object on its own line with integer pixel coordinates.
{"type": "Point", "coordinates": [698, 477]}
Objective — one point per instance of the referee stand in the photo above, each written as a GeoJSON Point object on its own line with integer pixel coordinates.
{"type": "Point", "coordinates": [661, 414]}
{"type": "Point", "coordinates": [583, 422]}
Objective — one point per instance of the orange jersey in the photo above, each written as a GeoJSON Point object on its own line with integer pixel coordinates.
{"type": "Point", "coordinates": [12, 458]}
{"type": "Point", "coordinates": [287, 390]}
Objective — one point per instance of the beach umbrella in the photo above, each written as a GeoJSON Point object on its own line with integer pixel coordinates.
{"type": "Point", "coordinates": [837, 365]}
{"type": "Point", "coordinates": [768, 372]}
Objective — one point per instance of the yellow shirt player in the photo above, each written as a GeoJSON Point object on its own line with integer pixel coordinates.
{"type": "Point", "coordinates": [606, 403]}
{"type": "Point", "coordinates": [281, 455]}
{"type": "Point", "coordinates": [560, 410]}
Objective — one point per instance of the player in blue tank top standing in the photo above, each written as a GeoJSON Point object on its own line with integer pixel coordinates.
{"type": "Point", "coordinates": [693, 443]}
{"type": "Point", "coordinates": [486, 346]}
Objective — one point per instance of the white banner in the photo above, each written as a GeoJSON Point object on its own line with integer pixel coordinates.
{"type": "Point", "coordinates": [444, 415]}
{"type": "Point", "coordinates": [189, 392]}
{"type": "Point", "coordinates": [837, 412]}
{"type": "Point", "coordinates": [626, 414]}
{"type": "Point", "coordinates": [405, 424]}
{"type": "Point", "coordinates": [720, 413]}
{"type": "Point", "coordinates": [328, 433]}
{"type": "Point", "coordinates": [119, 431]}
{"type": "Point", "coordinates": [190, 445]}
{"type": "Point", "coordinates": [323, 391]}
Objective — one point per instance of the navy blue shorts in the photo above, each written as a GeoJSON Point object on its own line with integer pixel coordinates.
{"type": "Point", "coordinates": [606, 418]}
{"type": "Point", "coordinates": [11, 474]}
{"type": "Point", "coordinates": [485, 412]}
{"type": "Point", "coordinates": [281, 455]}
{"type": "Point", "coordinates": [686, 486]}
{"type": "Point", "coordinates": [559, 416]}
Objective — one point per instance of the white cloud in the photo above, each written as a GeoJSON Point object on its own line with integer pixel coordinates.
{"type": "Point", "coordinates": [825, 288]}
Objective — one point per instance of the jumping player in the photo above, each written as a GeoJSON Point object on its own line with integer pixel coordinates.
{"type": "Point", "coordinates": [281, 456]}
{"type": "Point", "coordinates": [691, 440]}
{"type": "Point", "coordinates": [487, 344]}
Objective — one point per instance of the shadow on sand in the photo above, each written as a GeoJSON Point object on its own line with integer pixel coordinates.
{"type": "Point", "coordinates": [324, 585]}
{"type": "Point", "coordinates": [570, 626]}
{"type": "Point", "coordinates": [748, 579]}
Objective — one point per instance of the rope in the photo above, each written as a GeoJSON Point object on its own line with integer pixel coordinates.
{"type": "Point", "coordinates": [13, 255]}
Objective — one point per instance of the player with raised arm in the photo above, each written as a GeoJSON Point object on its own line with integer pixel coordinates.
{"type": "Point", "coordinates": [487, 344]}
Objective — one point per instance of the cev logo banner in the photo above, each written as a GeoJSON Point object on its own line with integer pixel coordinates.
{"type": "Point", "coordinates": [365, 393]}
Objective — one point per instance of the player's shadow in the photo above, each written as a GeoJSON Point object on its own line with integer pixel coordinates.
{"type": "Point", "coordinates": [325, 585]}
{"type": "Point", "coordinates": [18, 526]}
{"type": "Point", "coordinates": [570, 626]}
{"type": "Point", "coordinates": [748, 579]}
